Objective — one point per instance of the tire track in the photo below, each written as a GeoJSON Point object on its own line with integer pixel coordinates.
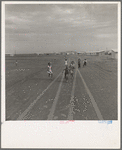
{"type": "Point", "coordinates": [70, 115]}
{"type": "Point", "coordinates": [92, 99]}
{"type": "Point", "coordinates": [99, 115]}
{"type": "Point", "coordinates": [51, 114]}
{"type": "Point", "coordinates": [35, 101]}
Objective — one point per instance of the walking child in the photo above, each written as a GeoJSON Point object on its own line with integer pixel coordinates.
{"type": "Point", "coordinates": [79, 63]}
{"type": "Point", "coordinates": [66, 62]}
{"type": "Point", "coordinates": [66, 73]}
{"type": "Point", "coordinates": [71, 70]}
{"type": "Point", "coordinates": [84, 62]}
{"type": "Point", "coordinates": [16, 62]}
{"type": "Point", "coordinates": [49, 70]}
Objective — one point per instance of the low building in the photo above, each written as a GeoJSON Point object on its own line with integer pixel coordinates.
{"type": "Point", "coordinates": [57, 53]}
{"type": "Point", "coordinates": [9, 54]}
{"type": "Point", "coordinates": [102, 53]}
{"type": "Point", "coordinates": [63, 53]}
{"type": "Point", "coordinates": [88, 54]}
{"type": "Point", "coordinates": [113, 53]}
{"type": "Point", "coordinates": [92, 54]}
{"type": "Point", "coordinates": [38, 53]}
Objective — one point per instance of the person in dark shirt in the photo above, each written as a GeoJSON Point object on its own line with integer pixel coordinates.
{"type": "Point", "coordinates": [73, 64]}
{"type": "Point", "coordinates": [71, 70]}
{"type": "Point", "coordinates": [66, 73]}
{"type": "Point", "coordinates": [79, 63]}
{"type": "Point", "coordinates": [84, 62]}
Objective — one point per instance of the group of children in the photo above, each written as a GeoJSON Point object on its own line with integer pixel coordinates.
{"type": "Point", "coordinates": [84, 62]}
{"type": "Point", "coordinates": [67, 70]}
{"type": "Point", "coordinates": [71, 68]}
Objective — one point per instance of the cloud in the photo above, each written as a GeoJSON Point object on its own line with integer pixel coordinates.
{"type": "Point", "coordinates": [103, 35]}
{"type": "Point", "coordinates": [58, 23]}
{"type": "Point", "coordinates": [106, 35]}
{"type": "Point", "coordinates": [63, 9]}
{"type": "Point", "coordinates": [16, 20]}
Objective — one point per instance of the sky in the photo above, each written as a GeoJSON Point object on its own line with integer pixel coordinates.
{"type": "Point", "coordinates": [45, 28]}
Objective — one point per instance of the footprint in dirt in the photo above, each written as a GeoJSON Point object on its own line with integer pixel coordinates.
{"type": "Point", "coordinates": [55, 118]}
{"type": "Point", "coordinates": [63, 115]}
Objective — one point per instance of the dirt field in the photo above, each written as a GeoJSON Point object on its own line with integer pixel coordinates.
{"type": "Point", "coordinates": [32, 95]}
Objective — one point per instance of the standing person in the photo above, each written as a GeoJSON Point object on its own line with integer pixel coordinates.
{"type": "Point", "coordinates": [71, 71]}
{"type": "Point", "coordinates": [73, 64]}
{"type": "Point", "coordinates": [16, 62]}
{"type": "Point", "coordinates": [84, 62]}
{"type": "Point", "coordinates": [49, 70]}
{"type": "Point", "coordinates": [79, 63]}
{"type": "Point", "coordinates": [66, 73]}
{"type": "Point", "coordinates": [66, 62]}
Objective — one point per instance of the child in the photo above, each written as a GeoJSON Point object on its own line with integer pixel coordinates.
{"type": "Point", "coordinates": [84, 62]}
{"type": "Point", "coordinates": [79, 63]}
{"type": "Point", "coordinates": [66, 63]}
{"type": "Point", "coordinates": [49, 70]}
{"type": "Point", "coordinates": [71, 70]}
{"type": "Point", "coordinates": [66, 73]}
{"type": "Point", "coordinates": [73, 65]}
{"type": "Point", "coordinates": [16, 62]}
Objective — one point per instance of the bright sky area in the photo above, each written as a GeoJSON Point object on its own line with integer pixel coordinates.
{"type": "Point", "coordinates": [31, 28]}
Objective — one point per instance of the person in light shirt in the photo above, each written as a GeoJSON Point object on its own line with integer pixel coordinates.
{"type": "Point", "coordinates": [16, 62]}
{"type": "Point", "coordinates": [66, 62]}
{"type": "Point", "coordinates": [49, 70]}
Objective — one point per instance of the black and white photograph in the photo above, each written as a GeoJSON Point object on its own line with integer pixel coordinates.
{"type": "Point", "coordinates": [61, 62]}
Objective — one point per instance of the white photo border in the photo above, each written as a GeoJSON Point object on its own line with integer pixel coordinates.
{"type": "Point", "coordinates": [54, 134]}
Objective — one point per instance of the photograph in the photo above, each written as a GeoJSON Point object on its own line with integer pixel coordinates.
{"type": "Point", "coordinates": [61, 63]}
